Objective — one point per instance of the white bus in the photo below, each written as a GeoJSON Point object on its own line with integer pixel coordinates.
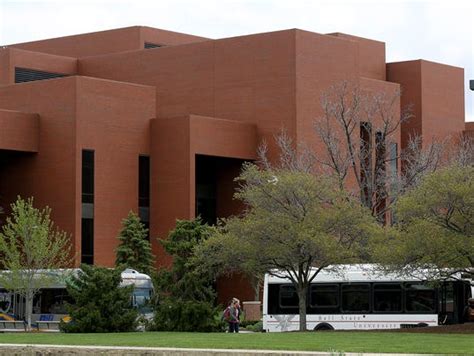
{"type": "Point", "coordinates": [356, 297]}
{"type": "Point", "coordinates": [50, 303]}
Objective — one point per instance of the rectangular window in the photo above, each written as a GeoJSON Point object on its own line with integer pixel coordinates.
{"type": "Point", "coordinates": [149, 45]}
{"type": "Point", "coordinates": [355, 298]}
{"type": "Point", "coordinates": [29, 75]}
{"type": "Point", "coordinates": [380, 175]}
{"type": "Point", "coordinates": [144, 191]}
{"type": "Point", "coordinates": [143, 181]}
{"type": "Point", "coordinates": [87, 176]}
{"type": "Point", "coordinates": [393, 159]}
{"type": "Point", "coordinates": [52, 301]}
{"type": "Point", "coordinates": [206, 188]}
{"type": "Point", "coordinates": [288, 297]}
{"type": "Point", "coordinates": [420, 298]}
{"type": "Point", "coordinates": [380, 159]}
{"type": "Point", "coordinates": [394, 180]}
{"type": "Point", "coordinates": [87, 241]}
{"type": "Point", "coordinates": [365, 159]}
{"type": "Point", "coordinates": [324, 296]}
{"type": "Point", "coordinates": [387, 297]}
{"type": "Point", "coordinates": [87, 221]}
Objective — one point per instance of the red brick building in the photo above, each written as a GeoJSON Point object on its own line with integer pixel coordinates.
{"type": "Point", "coordinates": [142, 119]}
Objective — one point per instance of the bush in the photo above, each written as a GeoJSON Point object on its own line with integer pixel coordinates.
{"type": "Point", "coordinates": [246, 323]}
{"type": "Point", "coordinates": [257, 327]}
{"type": "Point", "coordinates": [185, 315]}
{"type": "Point", "coordinates": [99, 303]}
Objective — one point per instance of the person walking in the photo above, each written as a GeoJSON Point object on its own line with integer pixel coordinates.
{"type": "Point", "coordinates": [239, 308]}
{"type": "Point", "coordinates": [231, 315]}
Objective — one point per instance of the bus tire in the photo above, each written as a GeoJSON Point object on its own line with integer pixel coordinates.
{"type": "Point", "coordinates": [422, 325]}
{"type": "Point", "coordinates": [323, 327]}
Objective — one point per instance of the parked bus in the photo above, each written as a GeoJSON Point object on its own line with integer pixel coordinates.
{"type": "Point", "coordinates": [50, 302]}
{"type": "Point", "coordinates": [357, 297]}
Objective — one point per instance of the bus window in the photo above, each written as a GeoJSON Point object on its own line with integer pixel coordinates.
{"type": "Point", "coordinates": [53, 301]}
{"type": "Point", "coordinates": [387, 297]}
{"type": "Point", "coordinates": [288, 297]}
{"type": "Point", "coordinates": [5, 301]}
{"type": "Point", "coordinates": [141, 299]}
{"type": "Point", "coordinates": [355, 298]}
{"type": "Point", "coordinates": [324, 296]}
{"type": "Point", "coordinates": [420, 298]}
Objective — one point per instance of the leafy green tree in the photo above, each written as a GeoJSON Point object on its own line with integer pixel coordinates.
{"type": "Point", "coordinates": [185, 293]}
{"type": "Point", "coordinates": [30, 244]}
{"type": "Point", "coordinates": [296, 224]}
{"type": "Point", "coordinates": [100, 304]}
{"type": "Point", "coordinates": [435, 229]}
{"type": "Point", "coordinates": [134, 250]}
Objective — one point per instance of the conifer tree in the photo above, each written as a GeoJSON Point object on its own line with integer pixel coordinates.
{"type": "Point", "coordinates": [134, 250]}
{"type": "Point", "coordinates": [100, 304]}
{"type": "Point", "coordinates": [185, 293]}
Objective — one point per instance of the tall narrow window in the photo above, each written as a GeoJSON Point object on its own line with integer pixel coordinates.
{"type": "Point", "coordinates": [144, 191]}
{"type": "Point", "coordinates": [87, 218]}
{"type": "Point", "coordinates": [380, 175]}
{"type": "Point", "coordinates": [394, 175]}
{"type": "Point", "coordinates": [393, 159]}
{"type": "Point", "coordinates": [380, 153]}
{"type": "Point", "coordinates": [366, 162]}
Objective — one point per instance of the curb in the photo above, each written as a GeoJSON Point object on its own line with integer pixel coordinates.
{"type": "Point", "coordinates": [67, 350]}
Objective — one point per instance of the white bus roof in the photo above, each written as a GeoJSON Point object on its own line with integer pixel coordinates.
{"type": "Point", "coordinates": [129, 277]}
{"type": "Point", "coordinates": [139, 280]}
{"type": "Point", "coordinates": [352, 273]}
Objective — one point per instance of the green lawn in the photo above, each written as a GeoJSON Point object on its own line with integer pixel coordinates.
{"type": "Point", "coordinates": [309, 341]}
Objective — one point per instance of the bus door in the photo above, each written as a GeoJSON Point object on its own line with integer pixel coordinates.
{"type": "Point", "coordinates": [453, 299]}
{"type": "Point", "coordinates": [446, 304]}
{"type": "Point", "coordinates": [462, 292]}
{"type": "Point", "coordinates": [17, 306]}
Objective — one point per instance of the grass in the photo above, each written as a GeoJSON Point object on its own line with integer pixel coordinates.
{"type": "Point", "coordinates": [308, 341]}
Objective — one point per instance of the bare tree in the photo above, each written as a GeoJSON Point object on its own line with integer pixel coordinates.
{"type": "Point", "coordinates": [358, 129]}
{"type": "Point", "coordinates": [461, 152]}
{"type": "Point", "coordinates": [418, 162]}
{"type": "Point", "coordinates": [292, 157]}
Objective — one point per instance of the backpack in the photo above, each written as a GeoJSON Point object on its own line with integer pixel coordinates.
{"type": "Point", "coordinates": [226, 314]}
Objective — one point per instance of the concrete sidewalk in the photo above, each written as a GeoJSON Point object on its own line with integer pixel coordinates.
{"type": "Point", "coordinates": [70, 350]}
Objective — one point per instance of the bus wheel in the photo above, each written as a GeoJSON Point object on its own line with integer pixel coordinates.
{"type": "Point", "coordinates": [422, 325]}
{"type": "Point", "coordinates": [323, 327]}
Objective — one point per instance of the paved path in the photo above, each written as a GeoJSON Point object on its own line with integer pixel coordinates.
{"type": "Point", "coordinates": [73, 350]}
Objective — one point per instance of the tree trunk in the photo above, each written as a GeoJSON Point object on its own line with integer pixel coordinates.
{"type": "Point", "coordinates": [28, 309]}
{"type": "Point", "coordinates": [302, 292]}
{"type": "Point", "coordinates": [256, 287]}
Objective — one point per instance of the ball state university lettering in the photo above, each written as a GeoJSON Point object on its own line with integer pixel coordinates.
{"type": "Point", "coordinates": [357, 322]}
{"type": "Point", "coordinates": [194, 107]}
{"type": "Point", "coordinates": [340, 317]}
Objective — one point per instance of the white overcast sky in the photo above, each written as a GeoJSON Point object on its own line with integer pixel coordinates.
{"type": "Point", "coordinates": [440, 31]}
